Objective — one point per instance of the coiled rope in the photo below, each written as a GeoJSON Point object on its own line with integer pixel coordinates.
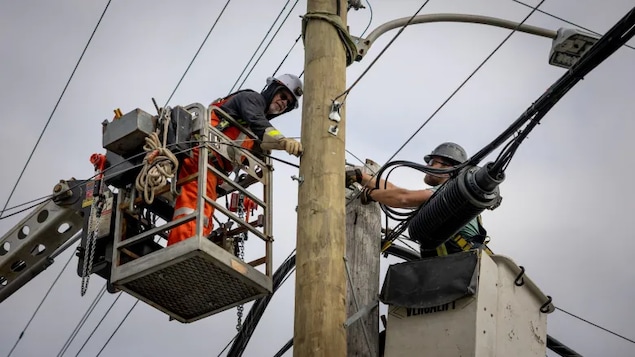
{"type": "Point", "coordinates": [159, 164]}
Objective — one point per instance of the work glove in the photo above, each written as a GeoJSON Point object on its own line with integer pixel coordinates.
{"type": "Point", "coordinates": [365, 196]}
{"type": "Point", "coordinates": [352, 175]}
{"type": "Point", "coordinates": [292, 146]}
{"type": "Point", "coordinates": [274, 140]}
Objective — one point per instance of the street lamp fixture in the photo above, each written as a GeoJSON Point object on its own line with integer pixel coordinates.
{"type": "Point", "coordinates": [568, 45]}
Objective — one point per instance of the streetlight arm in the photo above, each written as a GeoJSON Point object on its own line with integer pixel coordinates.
{"type": "Point", "coordinates": [364, 44]}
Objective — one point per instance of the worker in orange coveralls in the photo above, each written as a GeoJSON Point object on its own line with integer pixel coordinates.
{"type": "Point", "coordinates": [254, 110]}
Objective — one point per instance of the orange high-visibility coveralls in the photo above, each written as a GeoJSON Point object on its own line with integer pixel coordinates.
{"type": "Point", "coordinates": [186, 201]}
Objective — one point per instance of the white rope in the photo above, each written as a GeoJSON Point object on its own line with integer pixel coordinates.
{"type": "Point", "coordinates": [159, 165]}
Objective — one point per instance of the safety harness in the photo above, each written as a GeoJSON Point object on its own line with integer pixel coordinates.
{"type": "Point", "coordinates": [460, 243]}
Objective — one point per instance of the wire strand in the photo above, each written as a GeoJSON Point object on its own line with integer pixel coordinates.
{"type": "Point", "coordinates": [40, 304]}
{"type": "Point", "coordinates": [370, 20]}
{"type": "Point", "coordinates": [268, 44]}
{"type": "Point", "coordinates": [82, 321]}
{"type": "Point", "coordinates": [566, 21]}
{"type": "Point", "coordinates": [98, 324]}
{"type": "Point", "coordinates": [596, 325]}
{"type": "Point", "coordinates": [451, 95]}
{"type": "Point", "coordinates": [48, 121]}
{"type": "Point", "coordinates": [347, 91]}
{"type": "Point", "coordinates": [287, 55]}
{"type": "Point", "coordinates": [227, 345]}
{"type": "Point", "coordinates": [465, 81]}
{"type": "Point", "coordinates": [197, 52]}
{"type": "Point", "coordinates": [117, 329]}
{"type": "Point", "coordinates": [258, 48]}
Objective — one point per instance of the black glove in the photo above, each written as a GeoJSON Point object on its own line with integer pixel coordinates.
{"type": "Point", "coordinates": [352, 175]}
{"type": "Point", "coordinates": [365, 196]}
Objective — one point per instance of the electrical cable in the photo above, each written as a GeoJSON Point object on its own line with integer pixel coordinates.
{"type": "Point", "coordinates": [566, 21]}
{"type": "Point", "coordinates": [465, 81]}
{"type": "Point", "coordinates": [258, 308]}
{"type": "Point", "coordinates": [560, 349]}
{"type": "Point", "coordinates": [457, 168]}
{"type": "Point", "coordinates": [197, 52]}
{"type": "Point", "coordinates": [227, 345]}
{"type": "Point", "coordinates": [48, 121]}
{"type": "Point", "coordinates": [596, 325]}
{"type": "Point", "coordinates": [370, 20]}
{"type": "Point", "coordinates": [82, 321]}
{"type": "Point", "coordinates": [584, 66]}
{"type": "Point", "coordinates": [48, 197]}
{"type": "Point", "coordinates": [117, 329]}
{"type": "Point", "coordinates": [260, 45]}
{"type": "Point", "coordinates": [268, 44]}
{"type": "Point", "coordinates": [98, 324]}
{"type": "Point", "coordinates": [40, 305]}
{"type": "Point", "coordinates": [617, 36]}
{"type": "Point", "coordinates": [287, 55]}
{"type": "Point", "coordinates": [372, 63]}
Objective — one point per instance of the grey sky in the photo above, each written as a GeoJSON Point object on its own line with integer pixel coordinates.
{"type": "Point", "coordinates": [568, 195]}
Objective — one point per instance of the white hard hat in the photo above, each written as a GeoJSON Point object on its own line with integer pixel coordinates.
{"type": "Point", "coordinates": [292, 82]}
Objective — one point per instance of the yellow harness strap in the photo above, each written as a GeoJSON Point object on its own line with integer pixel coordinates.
{"type": "Point", "coordinates": [463, 244]}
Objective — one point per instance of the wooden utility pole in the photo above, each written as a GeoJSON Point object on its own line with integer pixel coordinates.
{"type": "Point", "coordinates": [320, 289]}
{"type": "Point", "coordinates": [363, 246]}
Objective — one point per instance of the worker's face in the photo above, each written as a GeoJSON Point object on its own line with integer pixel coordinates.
{"type": "Point", "coordinates": [281, 101]}
{"type": "Point", "coordinates": [436, 180]}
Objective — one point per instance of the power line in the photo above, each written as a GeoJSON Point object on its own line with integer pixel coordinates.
{"type": "Point", "coordinates": [82, 321]}
{"type": "Point", "coordinates": [596, 325]}
{"type": "Point", "coordinates": [268, 44]}
{"type": "Point", "coordinates": [566, 21]}
{"type": "Point", "coordinates": [40, 305]}
{"type": "Point", "coordinates": [98, 324]}
{"type": "Point", "coordinates": [197, 52]}
{"type": "Point", "coordinates": [465, 81]}
{"type": "Point", "coordinates": [345, 93]}
{"type": "Point", "coordinates": [117, 329]}
{"type": "Point", "coordinates": [54, 109]}
{"type": "Point", "coordinates": [227, 345]}
{"type": "Point", "coordinates": [370, 20]}
{"type": "Point", "coordinates": [453, 93]}
{"type": "Point", "coordinates": [260, 45]}
{"type": "Point", "coordinates": [43, 199]}
{"type": "Point", "coordinates": [287, 55]}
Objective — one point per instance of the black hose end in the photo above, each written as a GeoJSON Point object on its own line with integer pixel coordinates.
{"type": "Point", "coordinates": [488, 179]}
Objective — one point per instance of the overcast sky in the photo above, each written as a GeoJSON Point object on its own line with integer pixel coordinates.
{"type": "Point", "coordinates": [568, 196]}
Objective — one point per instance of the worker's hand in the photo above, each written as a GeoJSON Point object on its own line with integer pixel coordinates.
{"type": "Point", "coordinates": [352, 175]}
{"type": "Point", "coordinates": [365, 196]}
{"type": "Point", "coordinates": [292, 146]}
{"type": "Point", "coordinates": [274, 140]}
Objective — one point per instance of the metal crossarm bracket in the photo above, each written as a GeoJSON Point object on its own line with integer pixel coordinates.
{"type": "Point", "coordinates": [361, 312]}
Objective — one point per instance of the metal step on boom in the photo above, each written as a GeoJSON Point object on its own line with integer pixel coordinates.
{"type": "Point", "coordinates": [197, 277]}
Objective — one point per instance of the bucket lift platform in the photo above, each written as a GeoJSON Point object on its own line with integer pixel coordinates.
{"type": "Point", "coordinates": [464, 304]}
{"type": "Point", "coordinates": [191, 280]}
{"type": "Point", "coordinates": [197, 277]}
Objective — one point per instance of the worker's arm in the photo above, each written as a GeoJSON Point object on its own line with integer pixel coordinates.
{"type": "Point", "coordinates": [371, 182]}
{"type": "Point", "coordinates": [251, 107]}
{"type": "Point", "coordinates": [400, 197]}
